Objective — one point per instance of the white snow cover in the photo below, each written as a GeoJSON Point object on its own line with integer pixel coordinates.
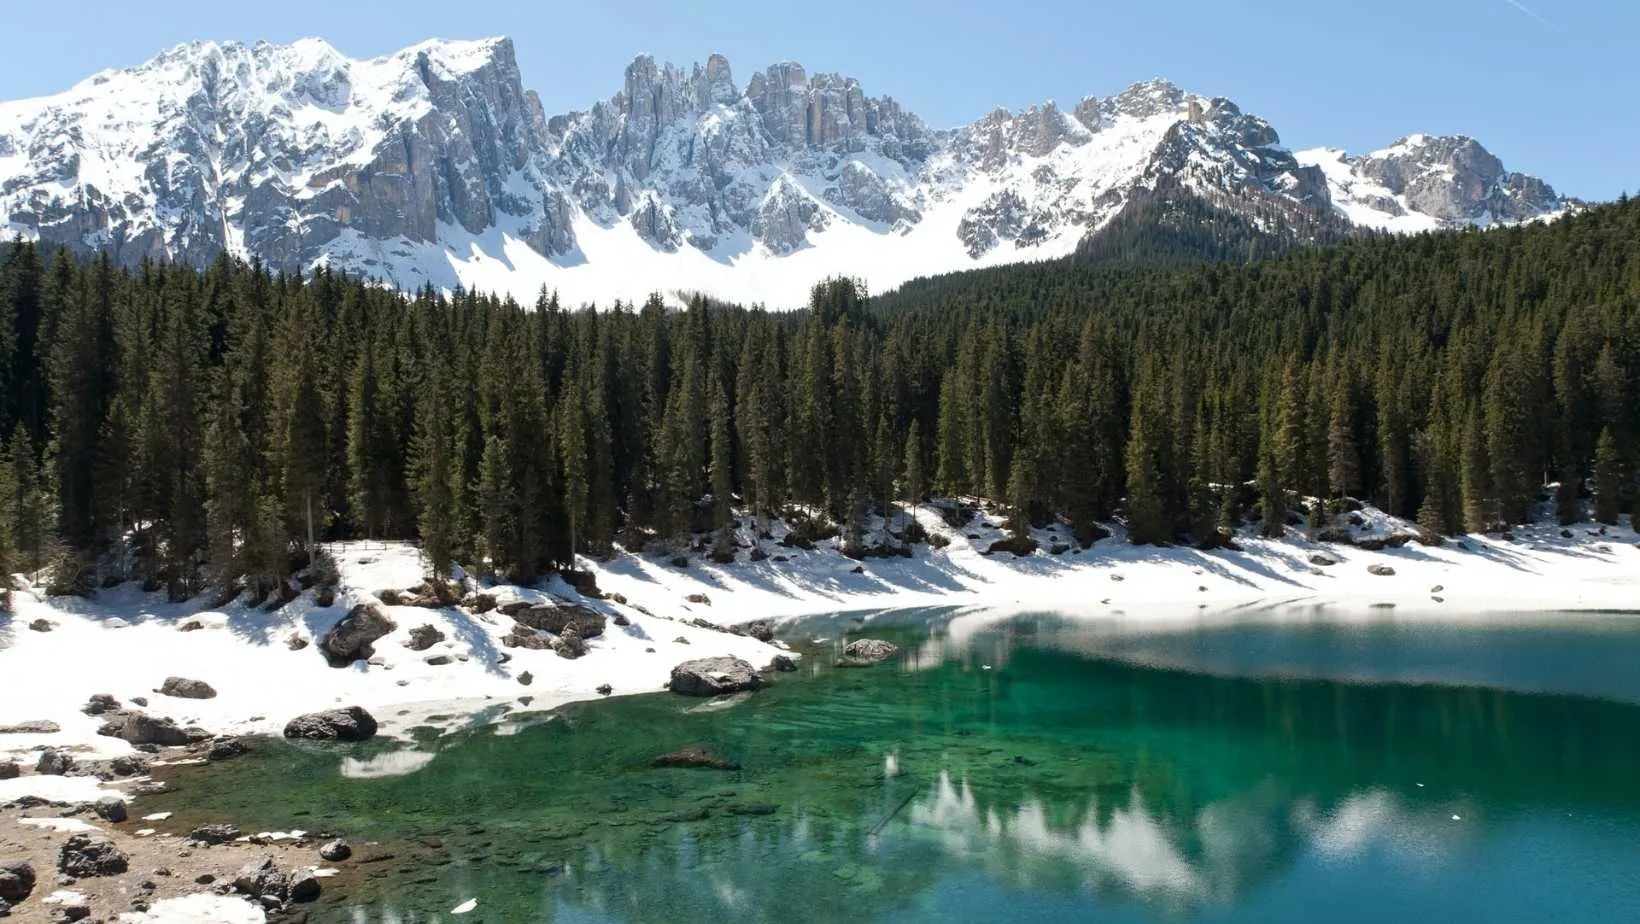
{"type": "Point", "coordinates": [262, 683]}
{"type": "Point", "coordinates": [202, 908]}
{"type": "Point", "coordinates": [289, 121]}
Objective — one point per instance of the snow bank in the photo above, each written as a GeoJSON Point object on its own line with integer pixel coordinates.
{"type": "Point", "coordinates": [204, 908]}
{"type": "Point", "coordinates": [262, 682]}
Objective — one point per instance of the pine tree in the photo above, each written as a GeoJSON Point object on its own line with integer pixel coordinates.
{"type": "Point", "coordinates": [1608, 468]}
{"type": "Point", "coordinates": [434, 481]}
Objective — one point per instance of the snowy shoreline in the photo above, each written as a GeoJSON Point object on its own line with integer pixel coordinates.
{"type": "Point", "coordinates": [126, 643]}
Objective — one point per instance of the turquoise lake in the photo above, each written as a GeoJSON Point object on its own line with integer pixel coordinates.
{"type": "Point", "coordinates": [1239, 768]}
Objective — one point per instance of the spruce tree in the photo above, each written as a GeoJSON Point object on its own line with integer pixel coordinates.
{"type": "Point", "coordinates": [1608, 469]}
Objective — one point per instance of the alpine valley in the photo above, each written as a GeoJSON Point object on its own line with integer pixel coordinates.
{"type": "Point", "coordinates": [436, 166]}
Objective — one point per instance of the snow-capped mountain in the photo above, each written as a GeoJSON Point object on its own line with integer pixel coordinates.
{"type": "Point", "coordinates": [435, 165]}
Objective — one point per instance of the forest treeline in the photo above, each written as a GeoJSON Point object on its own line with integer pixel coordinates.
{"type": "Point", "coordinates": [186, 426]}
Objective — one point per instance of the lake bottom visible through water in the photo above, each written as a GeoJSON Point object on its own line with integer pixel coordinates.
{"type": "Point", "coordinates": [1030, 768]}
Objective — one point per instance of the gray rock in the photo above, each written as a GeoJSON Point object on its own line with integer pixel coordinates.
{"type": "Point", "coordinates": [350, 724]}
{"type": "Point", "coordinates": [53, 763]}
{"type": "Point", "coordinates": [423, 638]}
{"type": "Point", "coordinates": [41, 625]}
{"type": "Point", "coordinates": [83, 857]}
{"type": "Point", "coordinates": [214, 834]}
{"type": "Point", "coordinates": [526, 678]}
{"type": "Point", "coordinates": [183, 688]}
{"type": "Point", "coordinates": [588, 623]}
{"type": "Point", "coordinates": [870, 650]}
{"type": "Point", "coordinates": [140, 728]}
{"type": "Point", "coordinates": [101, 703]}
{"type": "Point", "coordinates": [353, 638]}
{"type": "Point", "coordinates": [781, 664]}
{"type": "Point", "coordinates": [714, 677]}
{"type": "Point", "coordinates": [9, 770]}
{"type": "Point", "coordinates": [261, 877]}
{"type": "Point", "coordinates": [112, 808]}
{"type": "Point", "coordinates": [335, 851]}
{"type": "Point", "coordinates": [302, 887]}
{"type": "Point", "coordinates": [16, 880]}
{"type": "Point", "coordinates": [1323, 561]}
{"type": "Point", "coordinates": [1381, 570]}
{"type": "Point", "coordinates": [32, 727]}
{"type": "Point", "coordinates": [569, 644]}
{"type": "Point", "coordinates": [225, 749]}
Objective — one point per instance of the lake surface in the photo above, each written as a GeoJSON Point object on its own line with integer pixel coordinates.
{"type": "Point", "coordinates": [1239, 767]}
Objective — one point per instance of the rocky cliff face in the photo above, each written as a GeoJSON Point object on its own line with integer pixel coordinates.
{"type": "Point", "coordinates": [436, 165]}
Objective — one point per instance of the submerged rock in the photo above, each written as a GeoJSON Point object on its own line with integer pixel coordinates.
{"type": "Point", "coordinates": [183, 688]}
{"type": "Point", "coordinates": [353, 638]}
{"type": "Point", "coordinates": [866, 652]}
{"type": "Point", "coordinates": [714, 677]}
{"type": "Point", "coordinates": [762, 630]}
{"type": "Point", "coordinates": [83, 857]}
{"type": "Point", "coordinates": [781, 664]}
{"type": "Point", "coordinates": [350, 724]}
{"type": "Point", "coordinates": [695, 757]}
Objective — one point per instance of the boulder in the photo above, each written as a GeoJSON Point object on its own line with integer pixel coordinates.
{"type": "Point", "coordinates": [16, 880]}
{"type": "Point", "coordinates": [523, 636]}
{"type": "Point", "coordinates": [604, 689]}
{"type": "Point", "coordinates": [112, 808]}
{"type": "Point", "coordinates": [353, 638]}
{"type": "Point", "coordinates": [101, 703]}
{"type": "Point", "coordinates": [296, 642]}
{"type": "Point", "coordinates": [335, 851]}
{"type": "Point", "coordinates": [225, 749]}
{"type": "Point", "coordinates": [9, 770]}
{"type": "Point", "coordinates": [350, 724]}
{"type": "Point", "coordinates": [261, 877]}
{"type": "Point", "coordinates": [32, 727]}
{"type": "Point", "coordinates": [437, 660]}
{"type": "Point", "coordinates": [866, 652]}
{"type": "Point", "coordinates": [761, 629]}
{"type": "Point", "coordinates": [214, 834]}
{"type": "Point", "coordinates": [714, 677]}
{"type": "Point", "coordinates": [183, 688]}
{"type": "Point", "coordinates": [782, 664]}
{"type": "Point", "coordinates": [302, 887]}
{"type": "Point", "coordinates": [700, 599]}
{"type": "Point", "coordinates": [41, 625]}
{"type": "Point", "coordinates": [423, 638]}
{"type": "Point", "coordinates": [140, 728]}
{"type": "Point", "coordinates": [556, 618]}
{"type": "Point", "coordinates": [1381, 570]}
{"type": "Point", "coordinates": [526, 678]}
{"type": "Point", "coordinates": [83, 857]}
{"type": "Point", "coordinates": [695, 757]}
{"type": "Point", "coordinates": [53, 763]}
{"type": "Point", "coordinates": [569, 644]}
{"type": "Point", "coordinates": [1323, 561]}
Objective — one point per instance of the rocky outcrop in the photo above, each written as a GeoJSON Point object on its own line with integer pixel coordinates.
{"type": "Point", "coordinates": [183, 688]}
{"type": "Point", "coordinates": [140, 728]}
{"type": "Point", "coordinates": [350, 724]}
{"type": "Point", "coordinates": [31, 727]}
{"type": "Point", "coordinates": [714, 677]}
{"type": "Point", "coordinates": [354, 637]}
{"type": "Point", "coordinates": [83, 857]}
{"type": "Point", "coordinates": [53, 763]}
{"type": "Point", "coordinates": [214, 834]}
{"type": "Point", "coordinates": [9, 770]}
{"type": "Point", "coordinates": [555, 618]}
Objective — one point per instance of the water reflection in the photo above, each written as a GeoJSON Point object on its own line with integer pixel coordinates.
{"type": "Point", "coordinates": [1017, 758]}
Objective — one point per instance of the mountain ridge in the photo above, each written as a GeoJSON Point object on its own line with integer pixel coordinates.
{"type": "Point", "coordinates": [434, 165]}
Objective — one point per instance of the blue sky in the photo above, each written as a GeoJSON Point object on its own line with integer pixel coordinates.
{"type": "Point", "coordinates": [1548, 85]}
